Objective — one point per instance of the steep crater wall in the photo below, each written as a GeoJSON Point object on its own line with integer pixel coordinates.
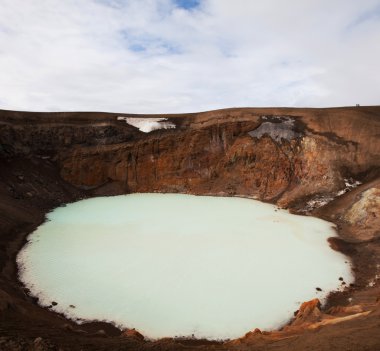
{"type": "Point", "coordinates": [277, 158]}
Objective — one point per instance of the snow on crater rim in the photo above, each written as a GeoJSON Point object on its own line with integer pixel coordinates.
{"type": "Point", "coordinates": [146, 125]}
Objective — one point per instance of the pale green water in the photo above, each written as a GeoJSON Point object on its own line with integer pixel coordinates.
{"type": "Point", "coordinates": [176, 265]}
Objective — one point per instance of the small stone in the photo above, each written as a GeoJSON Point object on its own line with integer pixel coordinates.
{"type": "Point", "coordinates": [318, 289]}
{"type": "Point", "coordinates": [341, 279]}
{"type": "Point", "coordinates": [54, 303]}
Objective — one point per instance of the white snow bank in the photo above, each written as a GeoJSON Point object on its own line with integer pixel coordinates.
{"type": "Point", "coordinates": [147, 125]}
{"type": "Point", "coordinates": [323, 199]}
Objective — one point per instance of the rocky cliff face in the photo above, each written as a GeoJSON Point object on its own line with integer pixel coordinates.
{"type": "Point", "coordinates": [277, 155]}
{"type": "Point", "coordinates": [320, 161]}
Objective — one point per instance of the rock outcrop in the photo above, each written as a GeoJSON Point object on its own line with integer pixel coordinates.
{"type": "Point", "coordinates": [308, 313]}
{"type": "Point", "coordinates": [364, 214]}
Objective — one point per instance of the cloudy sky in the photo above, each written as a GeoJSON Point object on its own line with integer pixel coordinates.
{"type": "Point", "coordinates": [159, 56]}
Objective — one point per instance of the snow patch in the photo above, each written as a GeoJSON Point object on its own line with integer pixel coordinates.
{"type": "Point", "coordinates": [350, 184]}
{"type": "Point", "coordinates": [317, 202]}
{"type": "Point", "coordinates": [147, 125]}
{"type": "Point", "coordinates": [322, 200]}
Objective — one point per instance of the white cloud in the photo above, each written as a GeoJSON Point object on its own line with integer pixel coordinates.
{"type": "Point", "coordinates": [154, 56]}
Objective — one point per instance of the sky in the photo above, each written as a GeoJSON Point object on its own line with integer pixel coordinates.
{"type": "Point", "coordinates": [168, 56]}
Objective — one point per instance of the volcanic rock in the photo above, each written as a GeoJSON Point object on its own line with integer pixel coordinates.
{"type": "Point", "coordinates": [309, 312]}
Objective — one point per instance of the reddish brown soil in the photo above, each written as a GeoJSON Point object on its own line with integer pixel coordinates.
{"type": "Point", "coordinates": [50, 159]}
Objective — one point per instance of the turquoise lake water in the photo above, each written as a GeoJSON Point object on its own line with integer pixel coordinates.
{"type": "Point", "coordinates": [180, 265]}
